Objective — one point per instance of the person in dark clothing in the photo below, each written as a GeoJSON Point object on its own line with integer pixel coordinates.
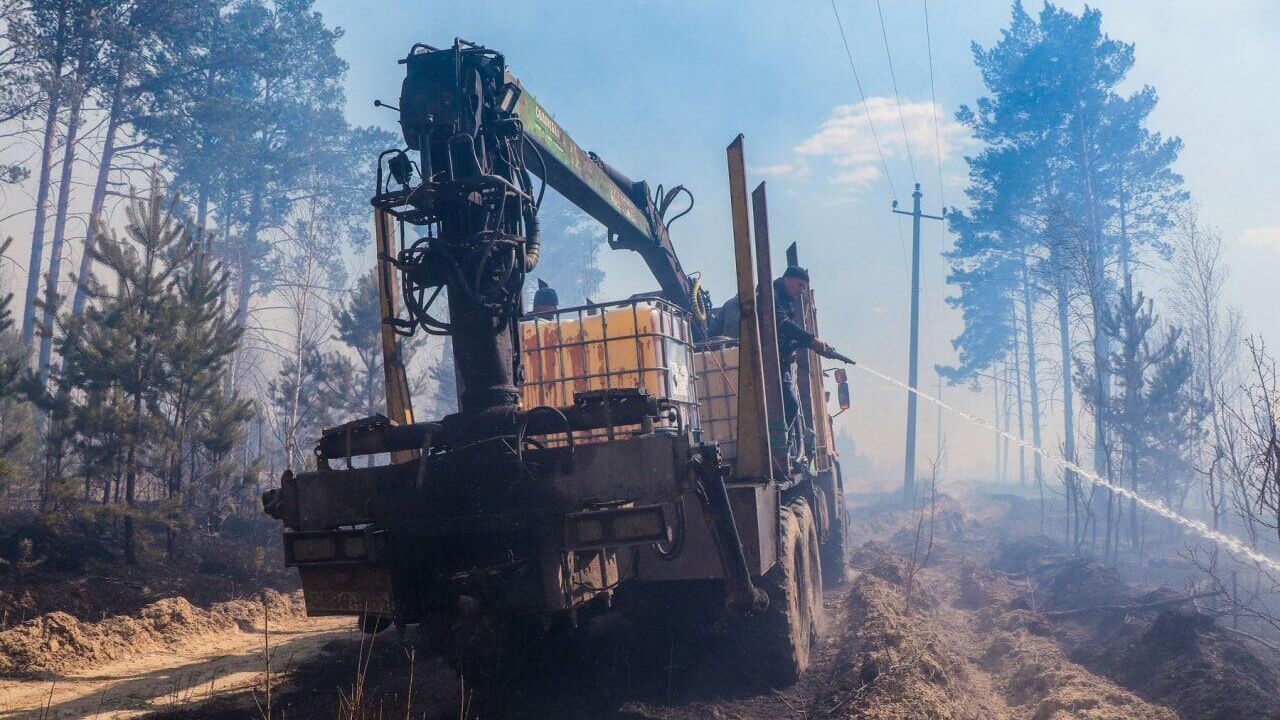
{"type": "Point", "coordinates": [787, 292]}
{"type": "Point", "coordinates": [545, 299]}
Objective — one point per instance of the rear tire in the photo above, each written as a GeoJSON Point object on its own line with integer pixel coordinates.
{"type": "Point", "coordinates": [790, 628]}
{"type": "Point", "coordinates": [836, 548]}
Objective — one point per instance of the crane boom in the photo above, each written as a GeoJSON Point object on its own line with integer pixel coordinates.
{"type": "Point", "coordinates": [480, 137]}
{"type": "Point", "coordinates": [624, 207]}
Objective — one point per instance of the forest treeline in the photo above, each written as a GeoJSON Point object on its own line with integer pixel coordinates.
{"type": "Point", "coordinates": [195, 302]}
{"type": "Point", "coordinates": [1089, 281]}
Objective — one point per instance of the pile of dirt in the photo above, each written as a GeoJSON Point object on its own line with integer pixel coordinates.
{"type": "Point", "coordinates": [893, 520]}
{"type": "Point", "coordinates": [1083, 584]}
{"type": "Point", "coordinates": [1189, 661]}
{"type": "Point", "coordinates": [996, 624]}
{"type": "Point", "coordinates": [78, 569]}
{"type": "Point", "coordinates": [1179, 656]}
{"type": "Point", "coordinates": [1146, 640]}
{"type": "Point", "coordinates": [1024, 554]}
{"type": "Point", "coordinates": [898, 664]}
{"type": "Point", "coordinates": [980, 588]}
{"type": "Point", "coordinates": [1040, 682]}
{"type": "Point", "coordinates": [58, 642]}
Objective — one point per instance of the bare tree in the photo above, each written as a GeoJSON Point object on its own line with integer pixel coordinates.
{"type": "Point", "coordinates": [1249, 468]}
{"type": "Point", "coordinates": [1199, 276]}
{"type": "Point", "coordinates": [922, 534]}
{"type": "Point", "coordinates": [303, 288]}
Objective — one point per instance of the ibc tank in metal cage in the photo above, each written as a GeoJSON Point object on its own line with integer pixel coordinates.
{"type": "Point", "coordinates": [643, 344]}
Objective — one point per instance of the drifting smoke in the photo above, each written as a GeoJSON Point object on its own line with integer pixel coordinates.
{"type": "Point", "coordinates": [1230, 543]}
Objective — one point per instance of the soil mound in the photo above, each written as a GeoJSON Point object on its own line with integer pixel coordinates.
{"type": "Point", "coordinates": [57, 642]}
{"type": "Point", "coordinates": [1190, 662]}
{"type": "Point", "coordinates": [1144, 640]}
{"type": "Point", "coordinates": [1035, 677]}
{"type": "Point", "coordinates": [1082, 584]}
{"type": "Point", "coordinates": [1024, 554]}
{"type": "Point", "coordinates": [899, 666]}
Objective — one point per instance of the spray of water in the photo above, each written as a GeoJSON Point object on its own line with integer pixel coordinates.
{"type": "Point", "coordinates": [1226, 541]}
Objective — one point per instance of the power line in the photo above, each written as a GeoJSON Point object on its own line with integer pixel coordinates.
{"type": "Point", "coordinates": [896, 95]}
{"type": "Point", "coordinates": [865, 108]}
{"type": "Point", "coordinates": [933, 97]}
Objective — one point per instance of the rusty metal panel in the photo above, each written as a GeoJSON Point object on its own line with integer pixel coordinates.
{"type": "Point", "coordinates": [766, 313]}
{"type": "Point", "coordinates": [753, 459]}
{"type": "Point", "coordinates": [615, 527]}
{"type": "Point", "coordinates": [755, 511]}
{"type": "Point", "coordinates": [399, 402]}
{"type": "Point", "coordinates": [650, 468]}
{"type": "Point", "coordinates": [698, 558]}
{"type": "Point", "coordinates": [346, 589]}
{"type": "Point", "coordinates": [815, 396]}
{"type": "Point", "coordinates": [327, 499]}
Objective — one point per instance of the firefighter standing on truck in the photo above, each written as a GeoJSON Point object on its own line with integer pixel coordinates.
{"type": "Point", "coordinates": [787, 291]}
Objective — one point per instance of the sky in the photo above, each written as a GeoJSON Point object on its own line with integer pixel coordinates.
{"type": "Point", "coordinates": [659, 88]}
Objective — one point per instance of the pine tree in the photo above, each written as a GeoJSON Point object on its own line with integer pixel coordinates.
{"type": "Point", "coordinates": [44, 30]}
{"type": "Point", "coordinates": [119, 353]}
{"type": "Point", "coordinates": [18, 91]}
{"type": "Point", "coordinates": [571, 251]}
{"type": "Point", "coordinates": [16, 418]}
{"type": "Point", "coordinates": [1158, 410]}
{"type": "Point", "coordinates": [442, 378]}
{"type": "Point", "coordinates": [1070, 185]}
{"type": "Point", "coordinates": [251, 120]}
{"type": "Point", "coordinates": [221, 486]}
{"type": "Point", "coordinates": [146, 43]}
{"type": "Point", "coordinates": [299, 413]}
{"type": "Point", "coordinates": [358, 322]}
{"type": "Point", "coordinates": [197, 365]}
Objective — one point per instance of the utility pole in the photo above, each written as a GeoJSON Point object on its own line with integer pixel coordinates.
{"type": "Point", "coordinates": [913, 374]}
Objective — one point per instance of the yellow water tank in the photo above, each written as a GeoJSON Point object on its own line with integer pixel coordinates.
{"type": "Point", "coordinates": [716, 369]}
{"type": "Point", "coordinates": [643, 344]}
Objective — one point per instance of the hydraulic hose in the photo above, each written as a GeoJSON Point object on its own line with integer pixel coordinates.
{"type": "Point", "coordinates": [533, 241]}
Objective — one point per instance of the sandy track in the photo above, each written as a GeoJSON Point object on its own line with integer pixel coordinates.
{"type": "Point", "coordinates": [216, 665]}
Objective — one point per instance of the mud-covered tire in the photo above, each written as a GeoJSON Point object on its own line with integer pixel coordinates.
{"type": "Point", "coordinates": [785, 636]}
{"type": "Point", "coordinates": [835, 549]}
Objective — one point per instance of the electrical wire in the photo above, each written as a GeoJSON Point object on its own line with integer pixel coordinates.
{"type": "Point", "coordinates": [933, 97]}
{"type": "Point", "coordinates": [865, 107]}
{"type": "Point", "coordinates": [896, 95]}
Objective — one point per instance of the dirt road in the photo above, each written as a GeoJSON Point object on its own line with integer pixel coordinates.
{"type": "Point", "coordinates": [220, 665]}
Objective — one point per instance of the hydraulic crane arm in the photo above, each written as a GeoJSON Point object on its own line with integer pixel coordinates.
{"type": "Point", "coordinates": [623, 206]}
{"type": "Point", "coordinates": [479, 139]}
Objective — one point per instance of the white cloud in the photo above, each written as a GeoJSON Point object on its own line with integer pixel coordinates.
{"type": "Point", "coordinates": [858, 177]}
{"type": "Point", "coordinates": [586, 225]}
{"type": "Point", "coordinates": [845, 139]}
{"type": "Point", "coordinates": [792, 169]}
{"type": "Point", "coordinates": [1266, 237]}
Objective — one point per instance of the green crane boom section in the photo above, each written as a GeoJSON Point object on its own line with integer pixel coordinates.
{"type": "Point", "coordinates": [627, 212]}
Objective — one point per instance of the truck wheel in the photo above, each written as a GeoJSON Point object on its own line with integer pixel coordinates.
{"type": "Point", "coordinates": [790, 627]}
{"type": "Point", "coordinates": [835, 550]}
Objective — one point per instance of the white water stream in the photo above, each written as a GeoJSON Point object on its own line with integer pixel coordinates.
{"type": "Point", "coordinates": [1232, 544]}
